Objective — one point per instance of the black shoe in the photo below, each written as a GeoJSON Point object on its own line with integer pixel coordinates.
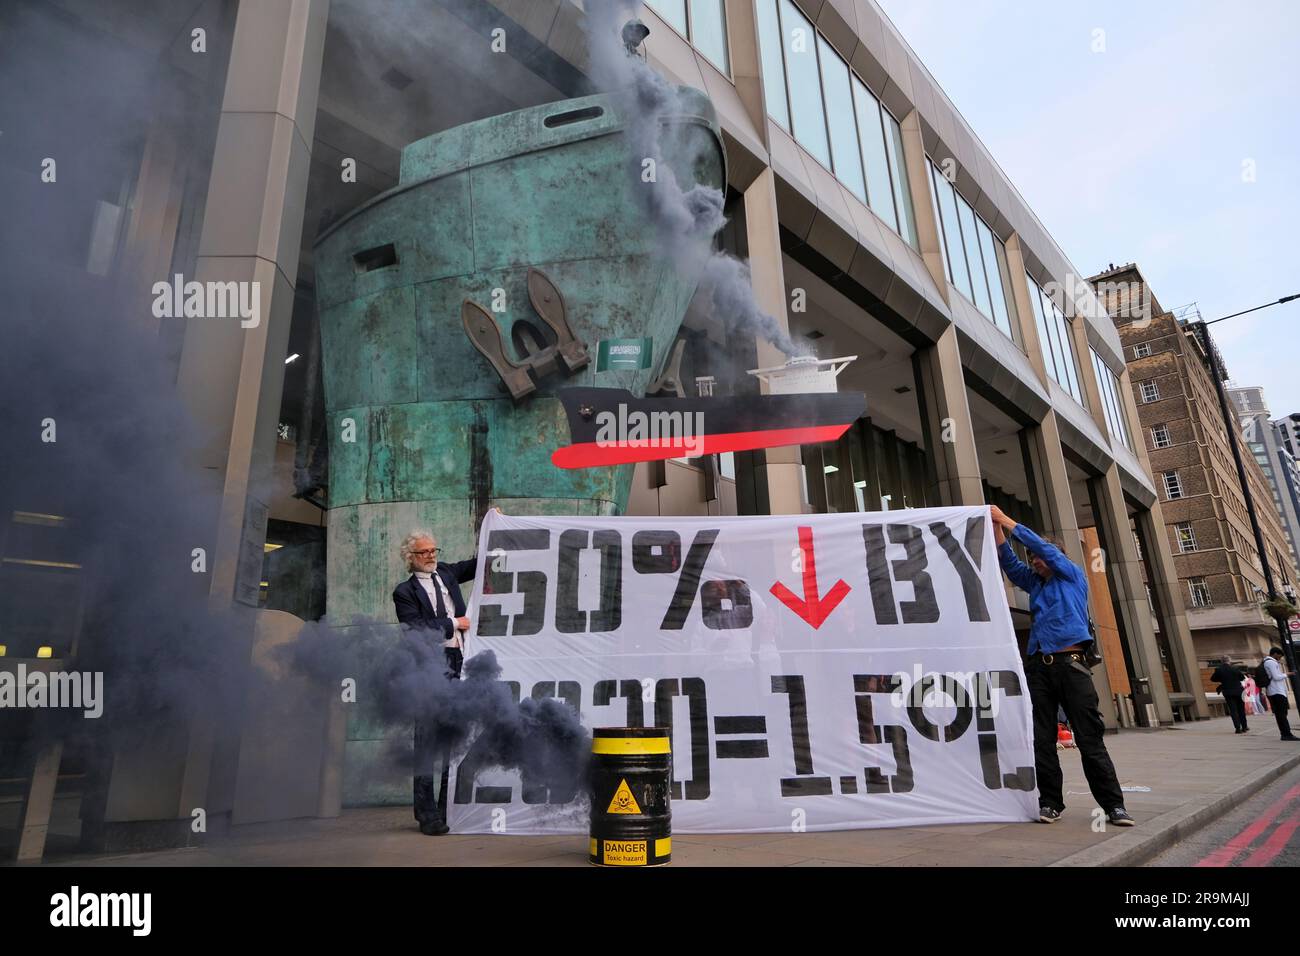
{"type": "Point", "coordinates": [1292, 737]}
{"type": "Point", "coordinates": [1119, 817]}
{"type": "Point", "coordinates": [434, 828]}
{"type": "Point", "coordinates": [1048, 814]}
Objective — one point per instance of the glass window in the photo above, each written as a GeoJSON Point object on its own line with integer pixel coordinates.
{"type": "Point", "coordinates": [1121, 423]}
{"type": "Point", "coordinates": [952, 231]}
{"type": "Point", "coordinates": [994, 278]}
{"type": "Point", "coordinates": [980, 266]}
{"type": "Point", "coordinates": [966, 219]}
{"type": "Point", "coordinates": [937, 183]}
{"type": "Point", "coordinates": [806, 111]}
{"type": "Point", "coordinates": [1008, 294]}
{"type": "Point", "coordinates": [1054, 331]}
{"type": "Point", "coordinates": [709, 31]}
{"type": "Point", "coordinates": [938, 219]}
{"type": "Point", "coordinates": [769, 51]}
{"type": "Point", "coordinates": [1150, 392]}
{"type": "Point", "coordinates": [1108, 385]}
{"type": "Point", "coordinates": [674, 11]}
{"type": "Point", "coordinates": [1160, 436]}
{"type": "Point", "coordinates": [898, 173]}
{"type": "Point", "coordinates": [1063, 332]}
{"type": "Point", "coordinates": [1142, 351]}
{"type": "Point", "coordinates": [1101, 373]}
{"type": "Point", "coordinates": [1049, 320]}
{"type": "Point", "coordinates": [1173, 487]}
{"type": "Point", "coordinates": [846, 157]}
{"type": "Point", "coordinates": [1200, 593]}
{"type": "Point", "coordinates": [1186, 538]}
{"type": "Point", "coordinates": [1116, 391]}
{"type": "Point", "coordinates": [880, 191]}
{"type": "Point", "coordinates": [1044, 340]}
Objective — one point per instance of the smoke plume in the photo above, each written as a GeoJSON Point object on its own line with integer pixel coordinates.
{"type": "Point", "coordinates": [685, 220]}
{"type": "Point", "coordinates": [407, 682]}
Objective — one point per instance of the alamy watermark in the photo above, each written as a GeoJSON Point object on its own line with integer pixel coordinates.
{"type": "Point", "coordinates": [75, 690]}
{"type": "Point", "coordinates": [1100, 301]}
{"type": "Point", "coordinates": [638, 429]}
{"type": "Point", "coordinates": [945, 689]}
{"type": "Point", "coordinates": [179, 299]}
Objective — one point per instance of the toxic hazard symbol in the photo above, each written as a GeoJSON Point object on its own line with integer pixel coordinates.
{"type": "Point", "coordinates": [623, 801]}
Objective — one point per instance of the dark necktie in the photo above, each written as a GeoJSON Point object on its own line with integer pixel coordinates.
{"type": "Point", "coordinates": [440, 607]}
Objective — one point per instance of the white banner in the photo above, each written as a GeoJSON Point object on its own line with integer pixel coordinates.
{"type": "Point", "coordinates": [818, 671]}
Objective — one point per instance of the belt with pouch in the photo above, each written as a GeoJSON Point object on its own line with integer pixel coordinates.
{"type": "Point", "coordinates": [1060, 657]}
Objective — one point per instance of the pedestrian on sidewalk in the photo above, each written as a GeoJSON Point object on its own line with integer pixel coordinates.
{"type": "Point", "coordinates": [1276, 691]}
{"type": "Point", "coordinates": [1250, 693]}
{"type": "Point", "coordinates": [1057, 670]}
{"type": "Point", "coordinates": [1230, 680]}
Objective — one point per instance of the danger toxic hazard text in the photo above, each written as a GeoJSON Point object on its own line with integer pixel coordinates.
{"type": "Point", "coordinates": [625, 852]}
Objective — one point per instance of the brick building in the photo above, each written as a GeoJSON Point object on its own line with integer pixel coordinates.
{"type": "Point", "coordinates": [1219, 570]}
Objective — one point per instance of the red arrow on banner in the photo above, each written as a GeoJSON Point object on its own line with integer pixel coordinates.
{"type": "Point", "coordinates": [811, 607]}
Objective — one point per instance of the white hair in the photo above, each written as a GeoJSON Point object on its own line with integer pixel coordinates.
{"type": "Point", "coordinates": [408, 543]}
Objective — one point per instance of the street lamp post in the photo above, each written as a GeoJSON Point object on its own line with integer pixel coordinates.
{"type": "Point", "coordinates": [1230, 425]}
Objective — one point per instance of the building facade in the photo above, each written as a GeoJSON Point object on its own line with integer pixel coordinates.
{"type": "Point", "coordinates": [1275, 460]}
{"type": "Point", "coordinates": [1208, 528]}
{"type": "Point", "coordinates": [874, 220]}
{"type": "Point", "coordinates": [1288, 429]}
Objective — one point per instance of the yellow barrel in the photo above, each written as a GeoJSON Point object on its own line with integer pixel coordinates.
{"type": "Point", "coordinates": [631, 817]}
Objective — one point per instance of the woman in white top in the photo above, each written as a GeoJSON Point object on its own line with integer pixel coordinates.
{"type": "Point", "coordinates": [1277, 691]}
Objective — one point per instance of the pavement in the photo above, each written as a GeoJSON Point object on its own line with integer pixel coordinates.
{"type": "Point", "coordinates": [1262, 831]}
{"type": "Point", "coordinates": [1177, 781]}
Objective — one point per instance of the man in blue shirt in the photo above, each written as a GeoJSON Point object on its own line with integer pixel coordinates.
{"type": "Point", "coordinates": [1056, 669]}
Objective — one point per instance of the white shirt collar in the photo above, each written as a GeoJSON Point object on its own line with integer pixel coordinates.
{"type": "Point", "coordinates": [426, 575]}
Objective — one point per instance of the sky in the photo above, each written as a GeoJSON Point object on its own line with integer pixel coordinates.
{"type": "Point", "coordinates": [1161, 132]}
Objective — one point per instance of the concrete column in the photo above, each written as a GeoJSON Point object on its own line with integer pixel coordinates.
{"type": "Point", "coordinates": [746, 64]}
{"type": "Point", "coordinates": [782, 466]}
{"type": "Point", "coordinates": [230, 378]}
{"type": "Point", "coordinates": [946, 422]}
{"type": "Point", "coordinates": [1124, 568]}
{"type": "Point", "coordinates": [1049, 483]}
{"type": "Point", "coordinates": [1162, 576]}
{"type": "Point", "coordinates": [38, 803]}
{"type": "Point", "coordinates": [1049, 479]}
{"type": "Point", "coordinates": [1028, 328]}
{"type": "Point", "coordinates": [1088, 376]}
{"type": "Point", "coordinates": [918, 178]}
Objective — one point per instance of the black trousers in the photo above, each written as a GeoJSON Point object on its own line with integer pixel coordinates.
{"type": "Point", "coordinates": [1067, 683]}
{"type": "Point", "coordinates": [1280, 706]}
{"type": "Point", "coordinates": [433, 759]}
{"type": "Point", "coordinates": [1236, 710]}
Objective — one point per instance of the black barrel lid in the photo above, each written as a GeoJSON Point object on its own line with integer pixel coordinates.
{"type": "Point", "coordinates": [631, 732]}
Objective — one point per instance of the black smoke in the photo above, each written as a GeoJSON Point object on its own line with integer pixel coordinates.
{"type": "Point", "coordinates": [685, 220]}
{"type": "Point", "coordinates": [404, 679]}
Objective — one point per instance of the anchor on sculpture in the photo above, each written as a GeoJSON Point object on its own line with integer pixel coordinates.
{"type": "Point", "coordinates": [568, 354]}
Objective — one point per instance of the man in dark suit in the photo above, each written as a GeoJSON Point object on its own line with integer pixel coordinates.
{"type": "Point", "coordinates": [1230, 679]}
{"type": "Point", "coordinates": [430, 603]}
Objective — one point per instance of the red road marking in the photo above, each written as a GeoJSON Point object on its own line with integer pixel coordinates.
{"type": "Point", "coordinates": [1274, 844]}
{"type": "Point", "coordinates": [1242, 841]}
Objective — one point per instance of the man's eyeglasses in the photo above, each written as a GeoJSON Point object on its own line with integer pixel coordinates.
{"type": "Point", "coordinates": [427, 553]}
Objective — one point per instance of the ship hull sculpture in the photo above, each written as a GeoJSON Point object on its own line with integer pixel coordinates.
{"type": "Point", "coordinates": [453, 309]}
